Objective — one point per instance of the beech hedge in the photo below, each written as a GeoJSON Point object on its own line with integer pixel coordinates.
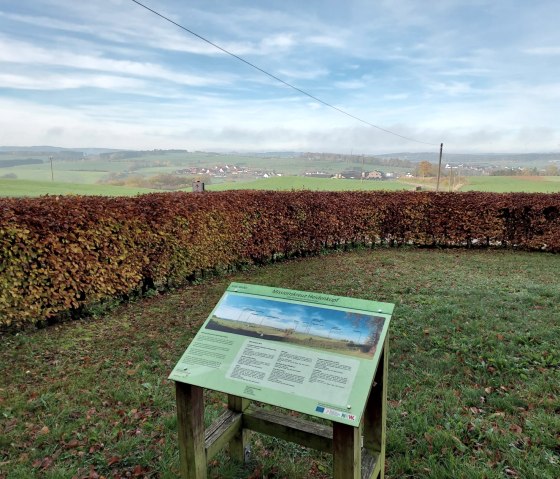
{"type": "Point", "coordinates": [60, 254]}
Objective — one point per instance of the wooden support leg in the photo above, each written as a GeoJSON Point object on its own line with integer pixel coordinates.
{"type": "Point", "coordinates": [238, 443]}
{"type": "Point", "coordinates": [347, 452]}
{"type": "Point", "coordinates": [190, 424]}
{"type": "Point", "coordinates": [375, 417]}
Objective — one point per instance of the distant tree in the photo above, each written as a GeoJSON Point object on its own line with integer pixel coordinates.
{"type": "Point", "coordinates": [529, 172]}
{"type": "Point", "coordinates": [425, 168]}
{"type": "Point", "coordinates": [551, 170]}
{"type": "Point", "coordinates": [502, 172]}
{"type": "Point", "coordinates": [375, 327]}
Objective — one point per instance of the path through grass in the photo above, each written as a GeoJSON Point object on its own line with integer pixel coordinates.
{"type": "Point", "coordinates": [474, 376]}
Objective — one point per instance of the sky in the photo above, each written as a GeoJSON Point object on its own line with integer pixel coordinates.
{"type": "Point", "coordinates": [313, 320]}
{"type": "Point", "coordinates": [477, 75]}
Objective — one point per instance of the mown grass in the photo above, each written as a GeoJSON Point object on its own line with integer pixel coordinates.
{"type": "Point", "coordinates": [474, 377]}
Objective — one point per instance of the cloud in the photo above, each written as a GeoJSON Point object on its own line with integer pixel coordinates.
{"type": "Point", "coordinates": [396, 96]}
{"type": "Point", "coordinates": [304, 73]}
{"type": "Point", "coordinates": [350, 84]}
{"type": "Point", "coordinates": [336, 40]}
{"type": "Point", "coordinates": [543, 51]}
{"type": "Point", "coordinates": [111, 71]}
{"type": "Point", "coordinates": [130, 129]}
{"type": "Point", "coordinates": [452, 88]}
{"type": "Point", "coordinates": [51, 81]}
{"type": "Point", "coordinates": [26, 53]}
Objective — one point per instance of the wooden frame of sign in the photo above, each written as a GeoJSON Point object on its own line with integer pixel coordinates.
{"type": "Point", "coordinates": [358, 452]}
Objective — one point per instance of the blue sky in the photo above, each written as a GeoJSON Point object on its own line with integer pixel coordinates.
{"type": "Point", "coordinates": [310, 319]}
{"type": "Point", "coordinates": [477, 75]}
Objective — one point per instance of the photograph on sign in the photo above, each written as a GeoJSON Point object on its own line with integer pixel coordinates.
{"type": "Point", "coordinates": [345, 332]}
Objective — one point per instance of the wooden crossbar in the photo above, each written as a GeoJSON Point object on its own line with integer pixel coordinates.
{"type": "Point", "coordinates": [358, 452]}
{"type": "Point", "coordinates": [300, 431]}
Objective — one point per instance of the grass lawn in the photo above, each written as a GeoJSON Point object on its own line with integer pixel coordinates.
{"type": "Point", "coordinates": [474, 377]}
{"type": "Point", "coordinates": [9, 187]}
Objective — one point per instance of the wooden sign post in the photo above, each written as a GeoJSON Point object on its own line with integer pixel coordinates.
{"type": "Point", "coordinates": [267, 366]}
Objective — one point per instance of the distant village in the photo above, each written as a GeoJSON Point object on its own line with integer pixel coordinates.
{"type": "Point", "coordinates": [242, 172]}
{"type": "Point", "coordinates": [226, 171]}
{"type": "Point", "coordinates": [337, 167]}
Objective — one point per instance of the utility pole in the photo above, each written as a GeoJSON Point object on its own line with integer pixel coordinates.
{"type": "Point", "coordinates": [362, 175]}
{"type": "Point", "coordinates": [52, 171]}
{"type": "Point", "coordinates": [439, 167]}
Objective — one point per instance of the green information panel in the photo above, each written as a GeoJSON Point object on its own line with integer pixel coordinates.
{"type": "Point", "coordinates": [309, 352]}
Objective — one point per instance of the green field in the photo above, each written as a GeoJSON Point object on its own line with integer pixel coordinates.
{"type": "Point", "coordinates": [95, 170]}
{"type": "Point", "coordinates": [513, 184]}
{"type": "Point", "coordinates": [20, 188]}
{"type": "Point", "coordinates": [98, 169]}
{"type": "Point", "coordinates": [283, 183]}
{"type": "Point", "coordinates": [495, 184]}
{"type": "Point", "coordinates": [498, 184]}
{"type": "Point", "coordinates": [43, 173]}
{"type": "Point", "coordinates": [473, 391]}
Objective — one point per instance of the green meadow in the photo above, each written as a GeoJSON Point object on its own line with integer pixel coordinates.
{"type": "Point", "coordinates": [513, 184]}
{"type": "Point", "coordinates": [89, 174]}
{"type": "Point", "coordinates": [286, 183]}
{"type": "Point", "coordinates": [473, 391]}
{"type": "Point", "coordinates": [497, 184]}
{"type": "Point", "coordinates": [21, 188]}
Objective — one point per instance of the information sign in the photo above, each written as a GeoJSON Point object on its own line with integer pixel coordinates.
{"type": "Point", "coordinates": [308, 352]}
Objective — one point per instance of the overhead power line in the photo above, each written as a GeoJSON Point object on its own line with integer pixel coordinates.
{"type": "Point", "coordinates": [303, 92]}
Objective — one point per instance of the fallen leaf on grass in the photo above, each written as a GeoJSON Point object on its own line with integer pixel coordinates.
{"type": "Point", "coordinates": [32, 397]}
{"type": "Point", "coordinates": [516, 429]}
{"type": "Point", "coordinates": [72, 443]}
{"type": "Point", "coordinates": [113, 460]}
{"type": "Point", "coordinates": [44, 463]}
{"type": "Point", "coordinates": [138, 470]}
